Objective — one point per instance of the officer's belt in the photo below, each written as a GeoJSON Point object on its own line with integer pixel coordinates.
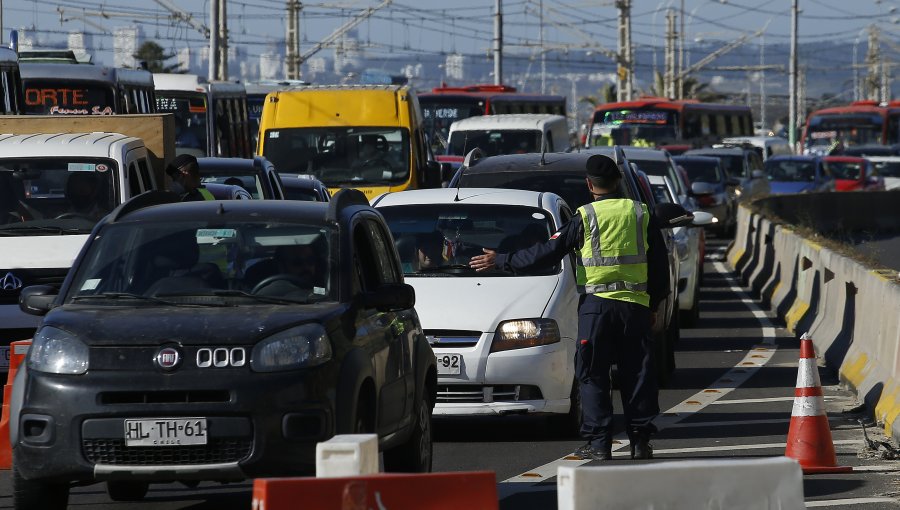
{"type": "Point", "coordinates": [611, 287]}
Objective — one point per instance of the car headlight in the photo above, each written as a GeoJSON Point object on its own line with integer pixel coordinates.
{"type": "Point", "coordinates": [521, 333]}
{"type": "Point", "coordinates": [55, 351]}
{"type": "Point", "coordinates": [299, 347]}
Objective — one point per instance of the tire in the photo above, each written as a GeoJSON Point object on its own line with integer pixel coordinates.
{"type": "Point", "coordinates": [122, 490]}
{"type": "Point", "coordinates": [37, 494]}
{"type": "Point", "coordinates": [569, 425]}
{"type": "Point", "coordinates": [415, 455]}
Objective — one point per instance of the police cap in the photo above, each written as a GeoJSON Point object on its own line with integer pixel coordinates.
{"type": "Point", "coordinates": [181, 161]}
{"type": "Point", "coordinates": [602, 166]}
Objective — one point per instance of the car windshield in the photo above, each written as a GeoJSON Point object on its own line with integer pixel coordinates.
{"type": "Point", "coordinates": [189, 110]}
{"type": "Point", "coordinates": [702, 171]}
{"type": "Point", "coordinates": [194, 262]}
{"type": "Point", "coordinates": [849, 129]}
{"type": "Point", "coordinates": [440, 239]}
{"type": "Point", "coordinates": [661, 193]}
{"type": "Point", "coordinates": [732, 163]}
{"type": "Point", "coordinates": [246, 179]}
{"type": "Point", "coordinates": [342, 156]}
{"type": "Point", "coordinates": [494, 142]}
{"type": "Point", "coordinates": [888, 168]}
{"type": "Point", "coordinates": [844, 169]}
{"type": "Point", "coordinates": [570, 186]}
{"type": "Point", "coordinates": [791, 170]}
{"type": "Point", "coordinates": [625, 127]}
{"type": "Point", "coordinates": [47, 196]}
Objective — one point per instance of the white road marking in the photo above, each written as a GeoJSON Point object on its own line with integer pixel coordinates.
{"type": "Point", "coordinates": [851, 501]}
{"type": "Point", "coordinates": [755, 359]}
{"type": "Point", "coordinates": [740, 447]}
{"type": "Point", "coordinates": [764, 400]}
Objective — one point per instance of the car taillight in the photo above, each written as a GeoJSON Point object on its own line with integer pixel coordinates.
{"type": "Point", "coordinates": [707, 200]}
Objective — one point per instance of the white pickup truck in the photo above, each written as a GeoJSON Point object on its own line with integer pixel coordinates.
{"type": "Point", "coordinates": [53, 190]}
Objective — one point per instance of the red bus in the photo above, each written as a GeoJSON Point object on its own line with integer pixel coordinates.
{"type": "Point", "coordinates": [674, 124]}
{"type": "Point", "coordinates": [861, 123]}
{"type": "Point", "coordinates": [445, 105]}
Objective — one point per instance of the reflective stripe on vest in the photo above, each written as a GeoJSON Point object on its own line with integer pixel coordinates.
{"type": "Point", "coordinates": [206, 194]}
{"type": "Point", "coordinates": [612, 262]}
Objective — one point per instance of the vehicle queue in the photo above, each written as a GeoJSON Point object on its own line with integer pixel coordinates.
{"type": "Point", "coordinates": [272, 325]}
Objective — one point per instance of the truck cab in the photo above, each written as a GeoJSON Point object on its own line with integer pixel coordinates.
{"type": "Point", "coordinates": [53, 189]}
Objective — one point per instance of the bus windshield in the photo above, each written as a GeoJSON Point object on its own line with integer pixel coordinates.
{"type": "Point", "coordinates": [494, 142]}
{"type": "Point", "coordinates": [625, 127]}
{"type": "Point", "coordinates": [849, 129]}
{"type": "Point", "coordinates": [440, 112]}
{"type": "Point", "coordinates": [49, 97]}
{"type": "Point", "coordinates": [53, 196]}
{"type": "Point", "coordinates": [355, 156]}
{"type": "Point", "coordinates": [189, 109]}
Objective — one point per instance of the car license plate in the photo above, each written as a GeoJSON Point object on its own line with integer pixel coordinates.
{"type": "Point", "coordinates": [165, 432]}
{"type": "Point", "coordinates": [448, 364]}
{"type": "Point", "coordinates": [4, 358]}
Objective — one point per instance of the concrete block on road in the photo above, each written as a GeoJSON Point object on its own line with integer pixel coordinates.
{"type": "Point", "coordinates": [736, 484]}
{"type": "Point", "coordinates": [347, 455]}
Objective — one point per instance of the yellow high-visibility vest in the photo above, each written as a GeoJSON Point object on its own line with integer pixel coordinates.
{"type": "Point", "coordinates": [612, 262]}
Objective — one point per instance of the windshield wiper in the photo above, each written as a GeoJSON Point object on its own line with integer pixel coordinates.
{"type": "Point", "coordinates": [129, 295]}
{"type": "Point", "coordinates": [256, 297]}
{"type": "Point", "coordinates": [13, 230]}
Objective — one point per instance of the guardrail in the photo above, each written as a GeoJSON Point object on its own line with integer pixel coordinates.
{"type": "Point", "coordinates": [850, 310]}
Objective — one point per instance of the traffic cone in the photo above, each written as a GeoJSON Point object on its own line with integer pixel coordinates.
{"type": "Point", "coordinates": [809, 437]}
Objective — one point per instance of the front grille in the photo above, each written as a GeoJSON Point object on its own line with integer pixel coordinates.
{"type": "Point", "coordinates": [164, 397]}
{"type": "Point", "coordinates": [452, 338]}
{"type": "Point", "coordinates": [113, 452]}
{"type": "Point", "coordinates": [478, 394]}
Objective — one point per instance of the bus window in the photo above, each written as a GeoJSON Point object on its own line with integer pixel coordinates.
{"type": "Point", "coordinates": [720, 126]}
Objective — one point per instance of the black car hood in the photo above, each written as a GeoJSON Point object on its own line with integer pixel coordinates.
{"type": "Point", "coordinates": [237, 325]}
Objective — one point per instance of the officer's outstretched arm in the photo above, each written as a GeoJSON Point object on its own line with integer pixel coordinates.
{"type": "Point", "coordinates": [537, 257]}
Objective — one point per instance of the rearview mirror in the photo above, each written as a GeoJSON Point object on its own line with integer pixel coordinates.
{"type": "Point", "coordinates": [37, 299]}
{"type": "Point", "coordinates": [703, 218]}
{"type": "Point", "coordinates": [390, 297]}
{"type": "Point", "coordinates": [672, 215]}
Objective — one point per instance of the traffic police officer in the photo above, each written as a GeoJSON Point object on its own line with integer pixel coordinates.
{"type": "Point", "coordinates": [185, 174]}
{"type": "Point", "coordinates": [622, 275]}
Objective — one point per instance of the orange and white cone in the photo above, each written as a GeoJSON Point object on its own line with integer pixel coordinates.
{"type": "Point", "coordinates": [809, 437]}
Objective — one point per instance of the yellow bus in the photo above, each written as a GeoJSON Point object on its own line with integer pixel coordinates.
{"type": "Point", "coordinates": [367, 137]}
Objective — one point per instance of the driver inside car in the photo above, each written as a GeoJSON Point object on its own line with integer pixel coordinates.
{"type": "Point", "coordinates": [295, 271]}
{"type": "Point", "coordinates": [82, 194]}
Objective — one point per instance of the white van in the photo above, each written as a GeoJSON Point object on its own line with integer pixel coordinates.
{"type": "Point", "coordinates": [509, 134]}
{"type": "Point", "coordinates": [766, 146]}
{"type": "Point", "coordinates": [53, 190]}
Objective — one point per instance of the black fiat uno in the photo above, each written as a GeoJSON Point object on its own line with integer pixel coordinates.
{"type": "Point", "coordinates": [219, 341]}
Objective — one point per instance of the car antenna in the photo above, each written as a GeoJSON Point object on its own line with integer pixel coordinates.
{"type": "Point", "coordinates": [543, 148]}
{"type": "Point", "coordinates": [472, 157]}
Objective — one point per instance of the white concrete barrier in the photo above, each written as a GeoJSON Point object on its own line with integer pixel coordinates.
{"type": "Point", "coordinates": [347, 455]}
{"type": "Point", "coordinates": [774, 483]}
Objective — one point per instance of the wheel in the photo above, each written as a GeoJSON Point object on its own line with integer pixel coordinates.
{"type": "Point", "coordinates": [414, 456]}
{"type": "Point", "coordinates": [569, 424]}
{"type": "Point", "coordinates": [122, 490]}
{"type": "Point", "coordinates": [34, 494]}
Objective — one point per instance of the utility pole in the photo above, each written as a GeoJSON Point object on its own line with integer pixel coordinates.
{"type": "Point", "coordinates": [762, 80]}
{"type": "Point", "coordinates": [792, 102]}
{"type": "Point", "coordinates": [681, 36]}
{"type": "Point", "coordinates": [624, 80]}
{"type": "Point", "coordinates": [223, 40]}
{"type": "Point", "coordinates": [873, 58]}
{"type": "Point", "coordinates": [630, 52]}
{"type": "Point", "coordinates": [669, 77]}
{"type": "Point", "coordinates": [498, 42]}
{"type": "Point", "coordinates": [213, 40]}
{"type": "Point", "coordinates": [292, 52]}
{"type": "Point", "coordinates": [543, 53]}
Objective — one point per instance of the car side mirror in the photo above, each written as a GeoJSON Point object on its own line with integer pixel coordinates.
{"type": "Point", "coordinates": [446, 172]}
{"type": "Point", "coordinates": [432, 177]}
{"type": "Point", "coordinates": [757, 174]}
{"type": "Point", "coordinates": [37, 299]}
{"type": "Point", "coordinates": [702, 219]}
{"type": "Point", "coordinates": [390, 297]}
{"type": "Point", "coordinates": [731, 181]}
{"type": "Point", "coordinates": [702, 188]}
{"type": "Point", "coordinates": [672, 215]}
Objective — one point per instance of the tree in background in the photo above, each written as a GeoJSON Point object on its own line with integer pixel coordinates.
{"type": "Point", "coordinates": [153, 57]}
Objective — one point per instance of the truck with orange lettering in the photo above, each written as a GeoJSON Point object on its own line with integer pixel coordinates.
{"type": "Point", "coordinates": [84, 89]}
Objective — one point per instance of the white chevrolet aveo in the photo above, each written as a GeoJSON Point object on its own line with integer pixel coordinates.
{"type": "Point", "coordinates": [505, 343]}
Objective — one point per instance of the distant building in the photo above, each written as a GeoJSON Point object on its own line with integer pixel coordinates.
{"type": "Point", "coordinates": [126, 41]}
{"type": "Point", "coordinates": [271, 66]}
{"type": "Point", "coordinates": [317, 65]}
{"type": "Point", "coordinates": [455, 67]}
{"type": "Point", "coordinates": [347, 54]}
{"type": "Point", "coordinates": [80, 43]}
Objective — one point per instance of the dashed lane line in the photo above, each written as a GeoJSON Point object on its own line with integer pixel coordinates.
{"type": "Point", "coordinates": [849, 501]}
{"type": "Point", "coordinates": [755, 359]}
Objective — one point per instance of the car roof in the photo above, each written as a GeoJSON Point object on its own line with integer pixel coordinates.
{"type": "Point", "coordinates": [796, 157]}
{"type": "Point", "coordinates": [724, 151]}
{"type": "Point", "coordinates": [486, 196]}
{"type": "Point", "coordinates": [237, 210]}
{"type": "Point", "coordinates": [635, 153]}
{"type": "Point", "coordinates": [96, 144]}
{"type": "Point", "coordinates": [230, 163]}
{"type": "Point", "coordinates": [696, 157]}
{"type": "Point", "coordinates": [553, 161]}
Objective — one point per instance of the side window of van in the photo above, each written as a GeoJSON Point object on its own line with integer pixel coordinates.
{"type": "Point", "coordinates": [146, 176]}
{"type": "Point", "coordinates": [134, 180]}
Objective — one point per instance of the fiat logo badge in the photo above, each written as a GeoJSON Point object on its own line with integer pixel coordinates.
{"type": "Point", "coordinates": [168, 358]}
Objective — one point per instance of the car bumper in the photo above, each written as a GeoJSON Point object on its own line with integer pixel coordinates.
{"type": "Point", "coordinates": [529, 380]}
{"type": "Point", "coordinates": [72, 428]}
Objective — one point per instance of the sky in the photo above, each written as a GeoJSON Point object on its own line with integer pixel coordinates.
{"type": "Point", "coordinates": [418, 27]}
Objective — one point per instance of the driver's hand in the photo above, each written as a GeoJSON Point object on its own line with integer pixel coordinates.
{"type": "Point", "coordinates": [484, 262]}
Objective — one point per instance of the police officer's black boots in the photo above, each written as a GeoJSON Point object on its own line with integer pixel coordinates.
{"type": "Point", "coordinates": [590, 452]}
{"type": "Point", "coordinates": [640, 446]}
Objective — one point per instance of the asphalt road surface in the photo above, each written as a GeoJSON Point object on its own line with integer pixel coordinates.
{"type": "Point", "coordinates": [731, 397]}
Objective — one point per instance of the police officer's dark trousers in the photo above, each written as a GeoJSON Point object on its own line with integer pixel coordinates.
{"type": "Point", "coordinates": [612, 331]}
